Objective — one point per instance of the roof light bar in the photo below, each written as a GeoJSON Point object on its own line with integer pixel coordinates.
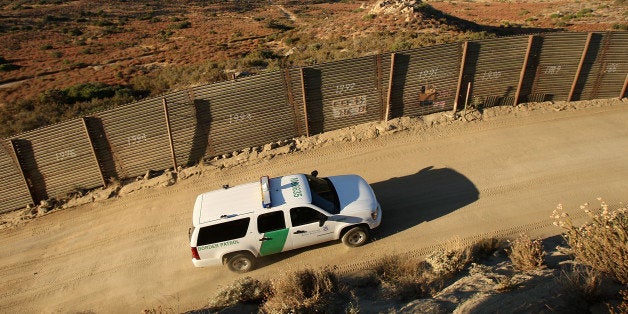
{"type": "Point", "coordinates": [265, 186]}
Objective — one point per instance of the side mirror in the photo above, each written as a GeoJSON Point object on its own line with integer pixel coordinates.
{"type": "Point", "coordinates": [314, 173]}
{"type": "Point", "coordinates": [322, 220]}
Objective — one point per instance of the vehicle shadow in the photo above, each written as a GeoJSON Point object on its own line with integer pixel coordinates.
{"type": "Point", "coordinates": [426, 195]}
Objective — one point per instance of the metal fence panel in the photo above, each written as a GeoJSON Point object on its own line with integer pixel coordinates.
{"type": "Point", "coordinates": [13, 190]}
{"type": "Point", "coordinates": [494, 66]}
{"type": "Point", "coordinates": [605, 67]}
{"type": "Point", "coordinates": [343, 93]}
{"type": "Point", "coordinates": [249, 112]}
{"type": "Point", "coordinates": [189, 126]}
{"type": "Point", "coordinates": [58, 159]}
{"type": "Point", "coordinates": [555, 65]}
{"type": "Point", "coordinates": [138, 137]}
{"type": "Point", "coordinates": [424, 80]}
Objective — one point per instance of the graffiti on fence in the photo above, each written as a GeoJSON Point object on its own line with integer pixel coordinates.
{"type": "Point", "coordinates": [350, 106]}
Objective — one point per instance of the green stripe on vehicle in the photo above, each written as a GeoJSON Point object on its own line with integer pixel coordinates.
{"type": "Point", "coordinates": [276, 242]}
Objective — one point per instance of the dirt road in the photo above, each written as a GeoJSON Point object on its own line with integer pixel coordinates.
{"type": "Point", "coordinates": [497, 177]}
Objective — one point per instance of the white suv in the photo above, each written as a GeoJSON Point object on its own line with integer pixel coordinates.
{"type": "Point", "coordinates": [235, 225]}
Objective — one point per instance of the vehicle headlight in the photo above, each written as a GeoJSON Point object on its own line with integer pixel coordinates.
{"type": "Point", "coordinates": [375, 213]}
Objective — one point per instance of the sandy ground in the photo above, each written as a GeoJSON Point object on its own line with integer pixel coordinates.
{"type": "Point", "coordinates": [500, 175]}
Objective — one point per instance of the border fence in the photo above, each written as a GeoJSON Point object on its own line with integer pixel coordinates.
{"type": "Point", "coordinates": [183, 127]}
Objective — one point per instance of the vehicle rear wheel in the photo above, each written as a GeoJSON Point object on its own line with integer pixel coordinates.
{"type": "Point", "coordinates": [240, 262]}
{"type": "Point", "coordinates": [356, 236]}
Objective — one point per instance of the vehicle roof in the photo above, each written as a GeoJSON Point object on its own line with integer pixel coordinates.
{"type": "Point", "coordinates": [246, 199]}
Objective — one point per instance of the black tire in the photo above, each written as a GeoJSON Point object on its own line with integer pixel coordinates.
{"type": "Point", "coordinates": [356, 236]}
{"type": "Point", "coordinates": [240, 262]}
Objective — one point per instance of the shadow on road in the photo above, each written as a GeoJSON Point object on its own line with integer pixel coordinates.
{"type": "Point", "coordinates": [426, 195]}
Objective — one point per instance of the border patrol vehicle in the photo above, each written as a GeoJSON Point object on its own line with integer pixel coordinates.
{"type": "Point", "coordinates": [235, 225]}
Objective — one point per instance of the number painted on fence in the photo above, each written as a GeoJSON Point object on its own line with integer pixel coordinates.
{"type": "Point", "coordinates": [553, 69]}
{"type": "Point", "coordinates": [66, 154]}
{"type": "Point", "coordinates": [491, 75]}
{"type": "Point", "coordinates": [342, 88]}
{"type": "Point", "coordinates": [136, 139]}
{"type": "Point", "coordinates": [428, 74]}
{"type": "Point", "coordinates": [611, 68]}
{"type": "Point", "coordinates": [240, 117]}
{"type": "Point", "coordinates": [346, 107]}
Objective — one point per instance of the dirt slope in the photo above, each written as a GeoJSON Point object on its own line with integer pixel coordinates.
{"type": "Point", "coordinates": [499, 176]}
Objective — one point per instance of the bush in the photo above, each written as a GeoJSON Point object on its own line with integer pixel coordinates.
{"type": "Point", "coordinates": [601, 243]}
{"type": "Point", "coordinates": [403, 277]}
{"type": "Point", "coordinates": [526, 254]}
{"type": "Point", "coordinates": [181, 25]}
{"type": "Point", "coordinates": [304, 291]}
{"type": "Point", "coordinates": [244, 290]}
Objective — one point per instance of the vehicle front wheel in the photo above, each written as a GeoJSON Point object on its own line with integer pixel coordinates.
{"type": "Point", "coordinates": [356, 236]}
{"type": "Point", "coordinates": [240, 263]}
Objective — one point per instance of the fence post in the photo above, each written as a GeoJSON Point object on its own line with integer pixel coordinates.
{"type": "Point", "coordinates": [582, 58]}
{"type": "Point", "coordinates": [287, 85]}
{"type": "Point", "coordinates": [390, 85]}
{"type": "Point", "coordinates": [523, 70]}
{"type": "Point", "coordinates": [307, 124]}
{"type": "Point", "coordinates": [21, 169]}
{"type": "Point", "coordinates": [463, 60]}
{"type": "Point", "coordinates": [623, 90]}
{"type": "Point", "coordinates": [93, 148]}
{"type": "Point", "coordinates": [167, 115]}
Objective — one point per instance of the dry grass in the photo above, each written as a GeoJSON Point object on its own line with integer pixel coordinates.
{"type": "Point", "coordinates": [526, 254]}
{"type": "Point", "coordinates": [303, 291]}
{"type": "Point", "coordinates": [398, 277]}
{"type": "Point", "coordinates": [601, 243]}
{"type": "Point", "coordinates": [582, 282]}
{"type": "Point", "coordinates": [404, 277]}
{"type": "Point", "coordinates": [244, 290]}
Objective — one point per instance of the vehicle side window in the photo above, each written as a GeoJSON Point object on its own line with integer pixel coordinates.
{"type": "Point", "coordinates": [221, 232]}
{"type": "Point", "coordinates": [303, 216]}
{"type": "Point", "coordinates": [271, 221]}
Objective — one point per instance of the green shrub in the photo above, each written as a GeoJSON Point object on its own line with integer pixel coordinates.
{"type": "Point", "coordinates": [8, 67]}
{"type": "Point", "coordinates": [180, 25]}
{"type": "Point", "coordinates": [274, 24]}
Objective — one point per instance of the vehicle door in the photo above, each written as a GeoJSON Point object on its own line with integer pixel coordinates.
{"type": "Point", "coordinates": [308, 227]}
{"type": "Point", "coordinates": [272, 232]}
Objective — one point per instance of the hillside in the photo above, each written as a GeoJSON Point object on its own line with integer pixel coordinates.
{"type": "Point", "coordinates": [150, 47]}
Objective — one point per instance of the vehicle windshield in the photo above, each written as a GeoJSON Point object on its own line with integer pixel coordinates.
{"type": "Point", "coordinates": [324, 194]}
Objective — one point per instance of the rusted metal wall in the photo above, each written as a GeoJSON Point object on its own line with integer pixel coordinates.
{"type": "Point", "coordinates": [183, 127]}
{"type": "Point", "coordinates": [137, 137]}
{"type": "Point", "coordinates": [554, 63]}
{"type": "Point", "coordinates": [57, 160]}
{"type": "Point", "coordinates": [493, 66]}
{"type": "Point", "coordinates": [189, 125]}
{"type": "Point", "coordinates": [606, 64]}
{"type": "Point", "coordinates": [14, 192]}
{"type": "Point", "coordinates": [424, 80]}
{"type": "Point", "coordinates": [343, 93]}
{"type": "Point", "coordinates": [248, 112]}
